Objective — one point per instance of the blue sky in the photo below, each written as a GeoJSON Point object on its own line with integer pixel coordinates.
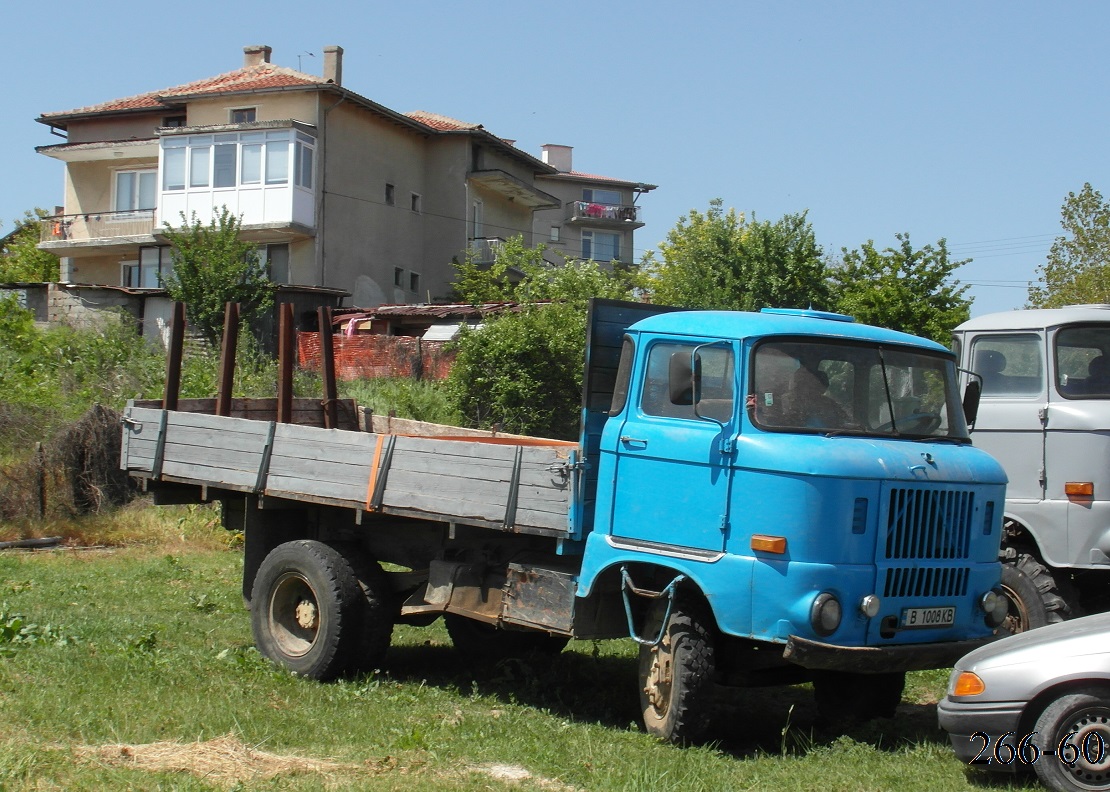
{"type": "Point", "coordinates": [969, 121]}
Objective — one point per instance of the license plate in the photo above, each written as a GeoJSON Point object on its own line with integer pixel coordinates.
{"type": "Point", "coordinates": [928, 617]}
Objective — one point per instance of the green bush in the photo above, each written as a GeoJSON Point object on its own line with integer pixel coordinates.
{"type": "Point", "coordinates": [420, 400]}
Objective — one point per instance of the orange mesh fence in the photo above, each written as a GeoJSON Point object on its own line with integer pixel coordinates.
{"type": "Point", "coordinates": [369, 356]}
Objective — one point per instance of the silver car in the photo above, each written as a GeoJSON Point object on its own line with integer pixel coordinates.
{"type": "Point", "coordinates": [1038, 700]}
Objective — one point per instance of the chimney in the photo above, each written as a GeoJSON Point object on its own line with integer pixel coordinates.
{"type": "Point", "coordinates": [333, 64]}
{"type": "Point", "coordinates": [558, 157]}
{"type": "Point", "coordinates": [255, 55]}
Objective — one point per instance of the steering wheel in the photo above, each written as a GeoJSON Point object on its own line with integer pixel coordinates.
{"type": "Point", "coordinates": [915, 423]}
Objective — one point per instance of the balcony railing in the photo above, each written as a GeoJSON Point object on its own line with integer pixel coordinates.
{"type": "Point", "coordinates": [589, 212]}
{"type": "Point", "coordinates": [485, 251]}
{"type": "Point", "coordinates": [97, 225]}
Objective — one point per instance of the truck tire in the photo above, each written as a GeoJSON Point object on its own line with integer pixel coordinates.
{"type": "Point", "coordinates": [477, 640]}
{"type": "Point", "coordinates": [307, 609]}
{"type": "Point", "coordinates": [380, 610]}
{"type": "Point", "coordinates": [844, 698]}
{"type": "Point", "coordinates": [1034, 597]}
{"type": "Point", "coordinates": [677, 674]}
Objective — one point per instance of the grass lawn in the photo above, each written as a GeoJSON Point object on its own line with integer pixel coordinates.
{"type": "Point", "coordinates": [133, 668]}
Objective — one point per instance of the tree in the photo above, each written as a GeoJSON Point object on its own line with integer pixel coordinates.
{"type": "Point", "coordinates": [720, 260]}
{"type": "Point", "coordinates": [522, 369]}
{"type": "Point", "coordinates": [21, 261]}
{"type": "Point", "coordinates": [1077, 269]}
{"type": "Point", "coordinates": [902, 288]}
{"type": "Point", "coordinates": [212, 267]}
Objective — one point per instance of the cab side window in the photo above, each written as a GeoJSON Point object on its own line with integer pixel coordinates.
{"type": "Point", "coordinates": [666, 384]}
{"type": "Point", "coordinates": [1010, 365]}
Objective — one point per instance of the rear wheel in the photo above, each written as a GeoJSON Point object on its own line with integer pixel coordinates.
{"type": "Point", "coordinates": [677, 674]}
{"type": "Point", "coordinates": [1034, 596]}
{"type": "Point", "coordinates": [379, 611]}
{"type": "Point", "coordinates": [306, 609]}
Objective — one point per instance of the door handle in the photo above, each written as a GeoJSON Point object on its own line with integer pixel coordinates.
{"type": "Point", "coordinates": [629, 440]}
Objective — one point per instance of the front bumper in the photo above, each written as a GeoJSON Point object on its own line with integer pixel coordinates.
{"type": "Point", "coordinates": [878, 659]}
{"type": "Point", "coordinates": [974, 731]}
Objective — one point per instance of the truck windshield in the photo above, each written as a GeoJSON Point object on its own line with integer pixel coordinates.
{"type": "Point", "coordinates": [1083, 362]}
{"type": "Point", "coordinates": [845, 388]}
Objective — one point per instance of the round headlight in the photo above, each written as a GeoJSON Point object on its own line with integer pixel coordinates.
{"type": "Point", "coordinates": [869, 606]}
{"type": "Point", "coordinates": [996, 605]}
{"type": "Point", "coordinates": [824, 614]}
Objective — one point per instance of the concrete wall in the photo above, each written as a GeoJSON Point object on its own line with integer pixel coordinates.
{"type": "Point", "coordinates": [90, 185]}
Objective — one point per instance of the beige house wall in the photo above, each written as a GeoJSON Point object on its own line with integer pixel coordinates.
{"type": "Point", "coordinates": [299, 105]}
{"type": "Point", "coordinates": [90, 185]}
{"type": "Point", "coordinates": [362, 238]}
{"type": "Point", "coordinates": [127, 127]}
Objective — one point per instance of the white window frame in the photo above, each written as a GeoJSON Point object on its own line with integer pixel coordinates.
{"type": "Point", "coordinates": [139, 172]}
{"type": "Point", "coordinates": [588, 235]}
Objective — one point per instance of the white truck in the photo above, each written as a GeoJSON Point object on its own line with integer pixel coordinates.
{"type": "Point", "coordinates": [1045, 415]}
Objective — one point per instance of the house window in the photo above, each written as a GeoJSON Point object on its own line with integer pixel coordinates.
{"type": "Point", "coordinates": [276, 259]}
{"type": "Point", "coordinates": [477, 226]}
{"type": "Point", "coordinates": [555, 233]}
{"type": "Point", "coordinates": [390, 195]}
{"type": "Point", "coordinates": [242, 115]}
{"type": "Point", "coordinates": [150, 271]}
{"type": "Point", "coordinates": [600, 246]}
{"type": "Point", "coordinates": [414, 282]}
{"type": "Point", "coordinates": [173, 121]}
{"type": "Point", "coordinates": [414, 202]}
{"type": "Point", "coordinates": [303, 151]}
{"type": "Point", "coordinates": [237, 159]}
{"type": "Point", "coordinates": [224, 156]}
{"type": "Point", "coordinates": [136, 189]}
{"type": "Point", "coordinates": [601, 196]}
{"type": "Point", "coordinates": [398, 277]}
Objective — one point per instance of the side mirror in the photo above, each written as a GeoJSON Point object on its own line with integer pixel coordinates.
{"type": "Point", "coordinates": [972, 393]}
{"type": "Point", "coordinates": [680, 379]}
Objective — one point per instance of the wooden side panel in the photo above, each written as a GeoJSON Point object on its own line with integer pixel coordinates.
{"type": "Point", "coordinates": [323, 463]}
{"type": "Point", "coordinates": [520, 487]}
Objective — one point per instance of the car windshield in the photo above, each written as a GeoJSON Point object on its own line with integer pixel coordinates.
{"type": "Point", "coordinates": [846, 388]}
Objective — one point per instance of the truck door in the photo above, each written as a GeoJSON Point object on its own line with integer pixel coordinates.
{"type": "Point", "coordinates": [1010, 425]}
{"type": "Point", "coordinates": [673, 457]}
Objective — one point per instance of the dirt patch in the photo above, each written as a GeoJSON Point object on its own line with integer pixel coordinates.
{"type": "Point", "coordinates": [225, 761]}
{"type": "Point", "coordinates": [515, 774]}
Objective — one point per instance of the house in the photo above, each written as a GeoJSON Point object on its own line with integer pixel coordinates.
{"type": "Point", "coordinates": [349, 201]}
{"type": "Point", "coordinates": [596, 217]}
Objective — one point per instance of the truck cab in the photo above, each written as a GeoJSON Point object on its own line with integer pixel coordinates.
{"type": "Point", "coordinates": [810, 484]}
{"type": "Point", "coordinates": [1044, 413]}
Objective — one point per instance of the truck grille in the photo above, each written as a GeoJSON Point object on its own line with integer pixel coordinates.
{"type": "Point", "coordinates": [935, 582]}
{"type": "Point", "coordinates": [929, 524]}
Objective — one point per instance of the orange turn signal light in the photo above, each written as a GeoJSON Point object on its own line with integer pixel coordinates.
{"type": "Point", "coordinates": [769, 544]}
{"type": "Point", "coordinates": [1080, 489]}
{"type": "Point", "coordinates": [968, 684]}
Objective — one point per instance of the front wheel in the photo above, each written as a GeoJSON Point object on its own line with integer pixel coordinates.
{"type": "Point", "coordinates": [676, 675]}
{"type": "Point", "coordinates": [306, 609]}
{"type": "Point", "coordinates": [1077, 727]}
{"type": "Point", "coordinates": [1034, 597]}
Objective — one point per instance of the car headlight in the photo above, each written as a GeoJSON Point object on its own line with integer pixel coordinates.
{"type": "Point", "coordinates": [824, 614]}
{"type": "Point", "coordinates": [968, 683]}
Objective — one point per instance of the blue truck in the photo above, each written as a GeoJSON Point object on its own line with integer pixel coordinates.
{"type": "Point", "coordinates": [755, 498]}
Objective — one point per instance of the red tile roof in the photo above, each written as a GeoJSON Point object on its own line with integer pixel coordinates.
{"type": "Point", "coordinates": [441, 122]}
{"type": "Point", "coordinates": [251, 78]}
